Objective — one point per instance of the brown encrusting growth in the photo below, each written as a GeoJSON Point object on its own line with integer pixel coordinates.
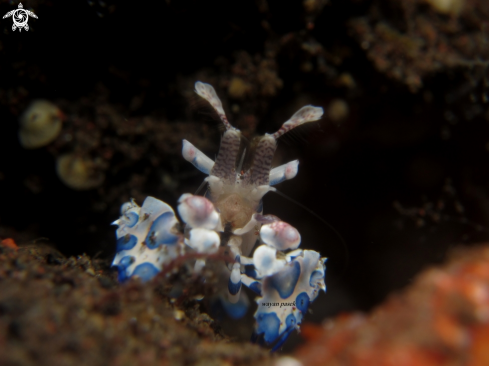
{"type": "Point", "coordinates": [411, 40]}
{"type": "Point", "coordinates": [71, 311]}
{"type": "Point", "coordinates": [441, 319]}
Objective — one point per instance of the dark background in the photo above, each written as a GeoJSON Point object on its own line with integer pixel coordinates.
{"type": "Point", "coordinates": [425, 148]}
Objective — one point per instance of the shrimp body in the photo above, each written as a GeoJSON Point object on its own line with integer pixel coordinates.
{"type": "Point", "coordinates": [287, 279]}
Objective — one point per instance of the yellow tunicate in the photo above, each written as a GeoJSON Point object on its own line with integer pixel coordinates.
{"type": "Point", "coordinates": [448, 7]}
{"type": "Point", "coordinates": [238, 88]}
{"type": "Point", "coordinates": [338, 110]}
{"type": "Point", "coordinates": [78, 172]}
{"type": "Point", "coordinates": [40, 124]}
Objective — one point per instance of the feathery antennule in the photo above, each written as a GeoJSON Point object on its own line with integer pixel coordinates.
{"type": "Point", "coordinates": [207, 92]}
{"type": "Point", "coordinates": [306, 114]}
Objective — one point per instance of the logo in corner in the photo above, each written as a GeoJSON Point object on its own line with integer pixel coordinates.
{"type": "Point", "coordinates": [20, 17]}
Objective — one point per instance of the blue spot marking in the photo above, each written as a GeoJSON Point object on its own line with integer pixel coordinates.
{"type": "Point", "coordinates": [237, 310]}
{"type": "Point", "coordinates": [126, 261]}
{"type": "Point", "coordinates": [145, 271]}
{"type": "Point", "coordinates": [256, 287]}
{"type": "Point", "coordinates": [290, 321]}
{"type": "Point", "coordinates": [294, 257]}
{"type": "Point", "coordinates": [282, 339]}
{"type": "Point", "coordinates": [159, 232]}
{"type": "Point", "coordinates": [202, 168]}
{"type": "Point", "coordinates": [260, 206]}
{"type": "Point", "coordinates": [132, 219]}
{"type": "Point", "coordinates": [302, 302]}
{"type": "Point", "coordinates": [122, 267]}
{"type": "Point", "coordinates": [286, 280]}
{"type": "Point", "coordinates": [250, 271]}
{"type": "Point", "coordinates": [268, 324]}
{"type": "Point", "coordinates": [278, 180]}
{"type": "Point", "coordinates": [233, 288]}
{"type": "Point", "coordinates": [121, 274]}
{"type": "Point", "coordinates": [315, 276]}
{"type": "Point", "coordinates": [126, 242]}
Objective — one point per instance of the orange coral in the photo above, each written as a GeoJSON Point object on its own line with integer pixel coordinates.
{"type": "Point", "coordinates": [9, 243]}
{"type": "Point", "coordinates": [442, 319]}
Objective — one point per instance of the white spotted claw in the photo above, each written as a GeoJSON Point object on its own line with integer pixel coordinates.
{"type": "Point", "coordinates": [197, 211]}
{"type": "Point", "coordinates": [280, 235]}
{"type": "Point", "coordinates": [266, 262]}
{"type": "Point", "coordinates": [203, 240]}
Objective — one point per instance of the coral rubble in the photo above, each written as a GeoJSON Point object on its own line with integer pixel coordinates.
{"type": "Point", "coordinates": [70, 311]}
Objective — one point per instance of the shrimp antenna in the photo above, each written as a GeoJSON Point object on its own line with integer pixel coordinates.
{"type": "Point", "coordinates": [338, 235]}
{"type": "Point", "coordinates": [202, 185]}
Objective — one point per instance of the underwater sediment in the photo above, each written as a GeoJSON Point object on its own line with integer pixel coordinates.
{"type": "Point", "coordinates": [398, 167]}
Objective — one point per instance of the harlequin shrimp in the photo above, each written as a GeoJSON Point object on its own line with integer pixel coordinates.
{"type": "Point", "coordinates": [285, 278]}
